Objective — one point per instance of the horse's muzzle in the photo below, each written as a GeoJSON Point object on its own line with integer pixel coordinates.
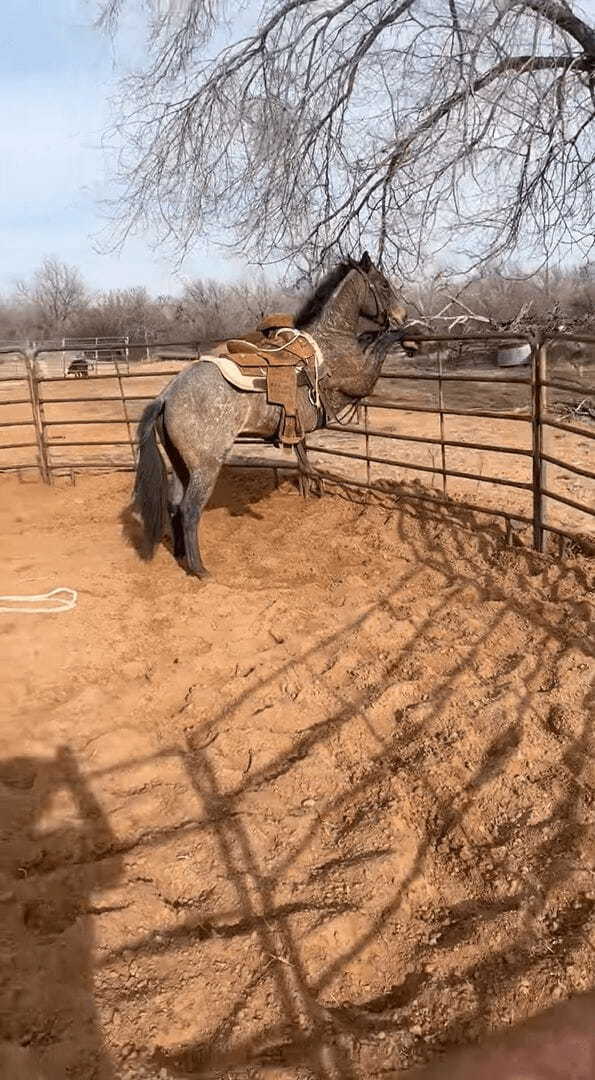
{"type": "Point", "coordinates": [397, 316]}
{"type": "Point", "coordinates": [410, 346]}
{"type": "Point", "coordinates": [400, 335]}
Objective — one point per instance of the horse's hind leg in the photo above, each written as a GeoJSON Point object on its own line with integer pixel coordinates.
{"type": "Point", "coordinates": [176, 494]}
{"type": "Point", "coordinates": [201, 418]}
{"type": "Point", "coordinates": [197, 494]}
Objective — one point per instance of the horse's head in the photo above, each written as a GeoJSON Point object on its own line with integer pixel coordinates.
{"type": "Point", "coordinates": [382, 305]}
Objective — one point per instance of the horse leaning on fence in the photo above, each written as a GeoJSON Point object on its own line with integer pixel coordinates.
{"type": "Point", "coordinates": [200, 413]}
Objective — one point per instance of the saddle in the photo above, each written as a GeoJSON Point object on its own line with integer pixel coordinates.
{"type": "Point", "coordinates": [286, 359]}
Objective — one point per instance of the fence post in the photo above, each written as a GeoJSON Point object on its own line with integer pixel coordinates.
{"type": "Point", "coordinates": [538, 410]}
{"type": "Point", "coordinates": [42, 454]}
{"type": "Point", "coordinates": [441, 408]}
{"type": "Point", "coordinates": [368, 480]}
{"type": "Point", "coordinates": [125, 410]}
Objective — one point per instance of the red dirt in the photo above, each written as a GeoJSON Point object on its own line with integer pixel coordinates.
{"type": "Point", "coordinates": [320, 818]}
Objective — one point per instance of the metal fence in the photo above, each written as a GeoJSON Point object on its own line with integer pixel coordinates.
{"type": "Point", "coordinates": [536, 417]}
{"type": "Point", "coordinates": [54, 423]}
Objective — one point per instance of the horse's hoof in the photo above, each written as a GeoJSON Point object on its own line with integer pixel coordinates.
{"type": "Point", "coordinates": [200, 575]}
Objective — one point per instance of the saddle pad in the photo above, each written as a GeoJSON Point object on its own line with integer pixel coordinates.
{"type": "Point", "coordinates": [232, 374]}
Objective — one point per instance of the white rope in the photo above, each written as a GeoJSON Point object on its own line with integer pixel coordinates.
{"type": "Point", "coordinates": [279, 348]}
{"type": "Point", "coordinates": [67, 603]}
{"type": "Point", "coordinates": [318, 361]}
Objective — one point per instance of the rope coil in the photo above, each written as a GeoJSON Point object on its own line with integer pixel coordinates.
{"type": "Point", "coordinates": [66, 603]}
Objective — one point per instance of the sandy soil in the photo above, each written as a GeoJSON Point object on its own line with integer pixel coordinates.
{"type": "Point", "coordinates": [321, 818]}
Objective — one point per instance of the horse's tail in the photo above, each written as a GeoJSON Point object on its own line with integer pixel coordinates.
{"type": "Point", "coordinates": [150, 487]}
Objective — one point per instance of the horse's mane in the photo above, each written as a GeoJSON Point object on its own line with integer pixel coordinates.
{"type": "Point", "coordinates": [316, 301]}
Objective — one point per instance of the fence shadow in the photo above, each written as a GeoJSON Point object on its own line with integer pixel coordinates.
{"type": "Point", "coordinates": [48, 1017]}
{"type": "Point", "coordinates": [317, 1031]}
{"type": "Point", "coordinates": [421, 792]}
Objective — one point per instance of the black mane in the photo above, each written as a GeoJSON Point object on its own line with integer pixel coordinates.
{"type": "Point", "coordinates": [316, 301]}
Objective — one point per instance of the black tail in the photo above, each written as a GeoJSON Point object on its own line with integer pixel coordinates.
{"type": "Point", "coordinates": [150, 488]}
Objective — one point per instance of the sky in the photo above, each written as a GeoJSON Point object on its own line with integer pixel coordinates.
{"type": "Point", "coordinates": [57, 74]}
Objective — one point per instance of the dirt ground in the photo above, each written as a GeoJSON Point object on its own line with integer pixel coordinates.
{"type": "Point", "coordinates": [322, 817]}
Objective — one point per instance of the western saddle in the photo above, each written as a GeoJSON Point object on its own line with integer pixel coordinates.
{"type": "Point", "coordinates": [289, 361]}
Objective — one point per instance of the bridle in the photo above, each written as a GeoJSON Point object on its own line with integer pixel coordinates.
{"type": "Point", "coordinates": [384, 322]}
{"type": "Point", "coordinates": [380, 316]}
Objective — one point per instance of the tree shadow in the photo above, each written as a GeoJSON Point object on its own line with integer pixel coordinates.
{"type": "Point", "coordinates": [49, 876]}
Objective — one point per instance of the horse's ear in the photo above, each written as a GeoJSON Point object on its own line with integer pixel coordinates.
{"type": "Point", "coordinates": [365, 262]}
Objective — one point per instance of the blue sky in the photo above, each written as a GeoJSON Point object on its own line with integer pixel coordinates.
{"type": "Point", "coordinates": [57, 73]}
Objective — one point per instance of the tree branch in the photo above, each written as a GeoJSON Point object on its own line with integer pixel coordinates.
{"type": "Point", "coordinates": [562, 16]}
{"type": "Point", "coordinates": [414, 128]}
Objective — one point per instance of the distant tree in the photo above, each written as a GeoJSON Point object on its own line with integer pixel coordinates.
{"type": "Point", "coordinates": [510, 299]}
{"type": "Point", "coordinates": [211, 309]}
{"type": "Point", "coordinates": [422, 125]}
{"type": "Point", "coordinates": [204, 308]}
{"type": "Point", "coordinates": [17, 319]}
{"type": "Point", "coordinates": [259, 296]}
{"type": "Point", "coordinates": [119, 313]}
{"type": "Point", "coordinates": [56, 291]}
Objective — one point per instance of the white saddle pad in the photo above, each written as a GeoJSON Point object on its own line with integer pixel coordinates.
{"type": "Point", "coordinates": [231, 372]}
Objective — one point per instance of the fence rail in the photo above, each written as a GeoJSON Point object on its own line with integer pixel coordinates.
{"type": "Point", "coordinates": [45, 422]}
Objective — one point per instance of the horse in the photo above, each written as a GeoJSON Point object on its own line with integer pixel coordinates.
{"type": "Point", "coordinates": [199, 414]}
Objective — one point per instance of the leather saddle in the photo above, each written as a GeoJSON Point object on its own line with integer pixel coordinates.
{"type": "Point", "coordinates": [287, 360]}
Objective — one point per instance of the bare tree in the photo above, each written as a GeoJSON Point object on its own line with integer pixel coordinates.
{"type": "Point", "coordinates": [16, 320]}
{"type": "Point", "coordinates": [128, 312]}
{"type": "Point", "coordinates": [56, 291]}
{"type": "Point", "coordinates": [260, 296]}
{"type": "Point", "coordinates": [515, 300]}
{"type": "Point", "coordinates": [204, 308]}
{"type": "Point", "coordinates": [211, 309]}
{"type": "Point", "coordinates": [426, 125]}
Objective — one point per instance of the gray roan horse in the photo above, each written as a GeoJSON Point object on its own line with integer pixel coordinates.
{"type": "Point", "coordinates": [199, 414]}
